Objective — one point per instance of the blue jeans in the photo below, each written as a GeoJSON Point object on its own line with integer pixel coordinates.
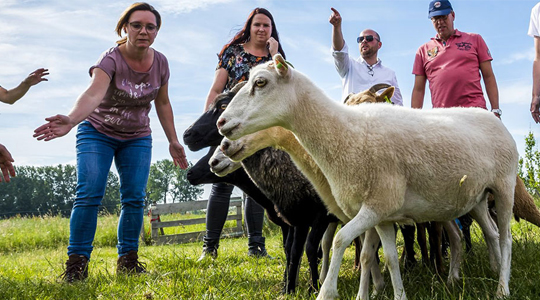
{"type": "Point", "coordinates": [95, 152]}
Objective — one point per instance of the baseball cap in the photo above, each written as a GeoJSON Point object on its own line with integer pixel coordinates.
{"type": "Point", "coordinates": [439, 8]}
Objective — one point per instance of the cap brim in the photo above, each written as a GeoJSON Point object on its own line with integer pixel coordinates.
{"type": "Point", "coordinates": [443, 12]}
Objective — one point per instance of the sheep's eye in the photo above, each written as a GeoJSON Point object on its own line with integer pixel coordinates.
{"type": "Point", "coordinates": [260, 82]}
{"type": "Point", "coordinates": [223, 106]}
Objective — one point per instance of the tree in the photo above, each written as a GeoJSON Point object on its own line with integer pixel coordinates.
{"type": "Point", "coordinates": [529, 167]}
{"type": "Point", "coordinates": [49, 190]}
{"type": "Point", "coordinates": [167, 183]}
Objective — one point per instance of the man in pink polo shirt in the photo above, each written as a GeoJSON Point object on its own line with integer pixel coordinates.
{"type": "Point", "coordinates": [450, 62]}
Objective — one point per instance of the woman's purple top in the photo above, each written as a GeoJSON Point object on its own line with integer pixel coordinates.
{"type": "Point", "coordinates": [123, 112]}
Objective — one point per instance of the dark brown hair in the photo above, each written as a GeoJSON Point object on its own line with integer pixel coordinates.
{"type": "Point", "coordinates": [244, 35]}
{"type": "Point", "coordinates": [124, 18]}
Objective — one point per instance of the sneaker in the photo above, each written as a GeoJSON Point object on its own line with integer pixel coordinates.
{"type": "Point", "coordinates": [130, 264]}
{"type": "Point", "coordinates": [208, 253]}
{"type": "Point", "coordinates": [76, 268]}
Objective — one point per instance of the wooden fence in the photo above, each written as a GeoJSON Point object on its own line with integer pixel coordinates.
{"type": "Point", "coordinates": [161, 209]}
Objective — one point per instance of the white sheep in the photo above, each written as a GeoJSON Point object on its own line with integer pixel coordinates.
{"type": "Point", "coordinates": [387, 164]}
{"type": "Point", "coordinates": [283, 139]}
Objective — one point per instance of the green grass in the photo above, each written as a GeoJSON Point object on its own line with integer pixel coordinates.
{"type": "Point", "coordinates": [33, 252]}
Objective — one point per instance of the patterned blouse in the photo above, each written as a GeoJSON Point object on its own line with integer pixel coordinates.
{"type": "Point", "coordinates": [237, 62]}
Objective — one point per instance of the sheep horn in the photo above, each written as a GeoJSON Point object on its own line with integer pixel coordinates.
{"type": "Point", "coordinates": [379, 86]}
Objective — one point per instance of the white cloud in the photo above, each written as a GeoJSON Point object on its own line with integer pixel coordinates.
{"type": "Point", "coordinates": [185, 6]}
{"type": "Point", "coordinates": [518, 92]}
{"type": "Point", "coordinates": [527, 55]}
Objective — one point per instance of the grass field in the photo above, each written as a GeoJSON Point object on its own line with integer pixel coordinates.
{"type": "Point", "coordinates": [33, 252]}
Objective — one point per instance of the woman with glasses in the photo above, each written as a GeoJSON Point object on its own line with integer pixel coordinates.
{"type": "Point", "coordinates": [113, 123]}
{"type": "Point", "coordinates": [254, 44]}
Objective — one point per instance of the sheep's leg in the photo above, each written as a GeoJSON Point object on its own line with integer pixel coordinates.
{"type": "Point", "coordinates": [388, 239]}
{"type": "Point", "coordinates": [456, 250]}
{"type": "Point", "coordinates": [504, 203]}
{"type": "Point", "coordinates": [297, 250]}
{"type": "Point", "coordinates": [491, 236]}
{"type": "Point", "coordinates": [422, 242]}
{"type": "Point", "coordinates": [284, 232]}
{"type": "Point", "coordinates": [368, 258]}
{"type": "Point", "coordinates": [313, 241]}
{"type": "Point", "coordinates": [287, 248]}
{"type": "Point", "coordinates": [466, 222]}
{"type": "Point", "coordinates": [357, 250]}
{"type": "Point", "coordinates": [408, 232]}
{"type": "Point", "coordinates": [435, 246]}
{"type": "Point", "coordinates": [326, 244]}
{"type": "Point", "coordinates": [364, 220]}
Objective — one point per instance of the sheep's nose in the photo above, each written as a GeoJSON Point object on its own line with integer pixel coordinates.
{"type": "Point", "coordinates": [225, 144]}
{"type": "Point", "coordinates": [213, 163]}
{"type": "Point", "coordinates": [187, 133]}
{"type": "Point", "coordinates": [221, 122]}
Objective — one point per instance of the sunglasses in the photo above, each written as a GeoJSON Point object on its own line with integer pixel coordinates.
{"type": "Point", "coordinates": [368, 38]}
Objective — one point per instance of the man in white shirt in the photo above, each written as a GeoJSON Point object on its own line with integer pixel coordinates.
{"type": "Point", "coordinates": [534, 31]}
{"type": "Point", "coordinates": [360, 74]}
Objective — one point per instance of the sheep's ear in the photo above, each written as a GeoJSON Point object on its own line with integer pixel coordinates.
{"type": "Point", "coordinates": [386, 95]}
{"type": "Point", "coordinates": [281, 66]}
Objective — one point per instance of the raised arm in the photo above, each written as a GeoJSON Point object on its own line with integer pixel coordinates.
{"type": "Point", "coordinates": [60, 125]}
{"type": "Point", "coordinates": [419, 89]}
{"type": "Point", "coordinates": [337, 35]}
{"type": "Point", "coordinates": [166, 118]}
{"type": "Point", "coordinates": [11, 96]}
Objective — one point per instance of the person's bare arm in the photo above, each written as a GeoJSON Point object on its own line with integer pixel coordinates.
{"type": "Point", "coordinates": [220, 80]}
{"type": "Point", "coordinates": [419, 89]}
{"type": "Point", "coordinates": [166, 118]}
{"type": "Point", "coordinates": [491, 84]}
{"type": "Point", "coordinates": [11, 96]}
{"type": "Point", "coordinates": [535, 102]}
{"type": "Point", "coordinates": [60, 125]}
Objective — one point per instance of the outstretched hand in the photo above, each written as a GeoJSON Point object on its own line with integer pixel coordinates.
{"type": "Point", "coordinates": [36, 77]}
{"type": "Point", "coordinates": [57, 126]}
{"type": "Point", "coordinates": [335, 17]}
{"type": "Point", "coordinates": [178, 154]}
{"type": "Point", "coordinates": [6, 165]}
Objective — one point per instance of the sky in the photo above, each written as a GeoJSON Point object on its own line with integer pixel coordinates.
{"type": "Point", "coordinates": [67, 37]}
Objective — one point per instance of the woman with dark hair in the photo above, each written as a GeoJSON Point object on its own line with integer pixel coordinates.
{"type": "Point", "coordinates": [256, 43]}
{"type": "Point", "coordinates": [114, 124]}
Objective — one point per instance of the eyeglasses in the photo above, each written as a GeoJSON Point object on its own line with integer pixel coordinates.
{"type": "Point", "coordinates": [136, 26]}
{"type": "Point", "coordinates": [368, 38]}
{"type": "Point", "coordinates": [439, 18]}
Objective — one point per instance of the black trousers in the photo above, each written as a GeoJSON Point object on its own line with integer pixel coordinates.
{"type": "Point", "coordinates": [216, 215]}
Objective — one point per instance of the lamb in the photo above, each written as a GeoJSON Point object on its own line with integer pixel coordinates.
{"type": "Point", "coordinates": [356, 149]}
{"type": "Point", "coordinates": [277, 177]}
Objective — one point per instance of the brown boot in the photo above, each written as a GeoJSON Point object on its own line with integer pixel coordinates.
{"type": "Point", "coordinates": [76, 268]}
{"type": "Point", "coordinates": [130, 264]}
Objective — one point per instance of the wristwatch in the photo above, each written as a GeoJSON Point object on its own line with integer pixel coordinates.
{"type": "Point", "coordinates": [497, 111]}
